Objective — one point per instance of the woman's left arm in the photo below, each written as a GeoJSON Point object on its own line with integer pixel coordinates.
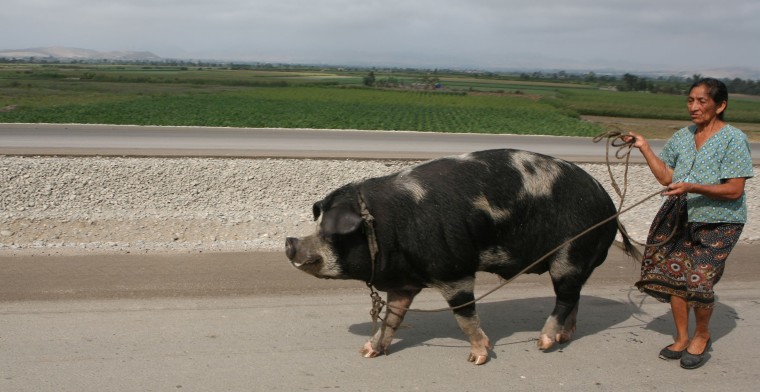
{"type": "Point", "coordinates": [728, 189]}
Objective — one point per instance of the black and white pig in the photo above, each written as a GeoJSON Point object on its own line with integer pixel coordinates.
{"type": "Point", "coordinates": [438, 223]}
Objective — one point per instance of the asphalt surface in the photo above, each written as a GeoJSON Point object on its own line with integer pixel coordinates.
{"type": "Point", "coordinates": [251, 322]}
{"type": "Point", "coordinates": [115, 140]}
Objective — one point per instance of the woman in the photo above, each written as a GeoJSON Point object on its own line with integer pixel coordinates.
{"type": "Point", "coordinates": [704, 167]}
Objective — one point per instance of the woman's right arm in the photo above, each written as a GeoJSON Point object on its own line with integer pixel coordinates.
{"type": "Point", "coordinates": [661, 171]}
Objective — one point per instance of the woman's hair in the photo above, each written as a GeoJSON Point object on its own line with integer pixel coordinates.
{"type": "Point", "coordinates": [717, 90]}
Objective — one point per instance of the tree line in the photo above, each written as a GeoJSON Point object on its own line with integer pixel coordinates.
{"type": "Point", "coordinates": [659, 85]}
{"type": "Point", "coordinates": [669, 86]}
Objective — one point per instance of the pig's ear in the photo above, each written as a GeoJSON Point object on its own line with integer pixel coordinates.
{"type": "Point", "coordinates": [340, 220]}
{"type": "Point", "coordinates": [316, 209]}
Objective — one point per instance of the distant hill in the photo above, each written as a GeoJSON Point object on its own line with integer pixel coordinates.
{"type": "Point", "coordinates": [733, 72]}
{"type": "Point", "coordinates": [59, 52]}
{"type": "Point", "coordinates": [720, 73]}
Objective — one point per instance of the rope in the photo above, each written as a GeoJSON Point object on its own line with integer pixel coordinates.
{"type": "Point", "coordinates": [624, 148]}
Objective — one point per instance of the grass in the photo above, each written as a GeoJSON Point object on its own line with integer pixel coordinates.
{"type": "Point", "coordinates": [313, 107]}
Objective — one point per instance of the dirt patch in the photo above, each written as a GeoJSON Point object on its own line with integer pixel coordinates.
{"type": "Point", "coordinates": [661, 129]}
{"type": "Point", "coordinates": [518, 94]}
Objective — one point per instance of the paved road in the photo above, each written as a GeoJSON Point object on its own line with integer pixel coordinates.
{"type": "Point", "coordinates": [128, 140]}
{"type": "Point", "coordinates": [250, 322]}
{"type": "Point", "coordinates": [53, 139]}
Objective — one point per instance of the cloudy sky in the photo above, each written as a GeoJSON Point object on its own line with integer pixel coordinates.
{"type": "Point", "coordinates": [484, 34]}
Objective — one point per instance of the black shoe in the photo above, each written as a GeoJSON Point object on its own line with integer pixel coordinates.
{"type": "Point", "coordinates": [667, 353]}
{"type": "Point", "coordinates": [693, 361]}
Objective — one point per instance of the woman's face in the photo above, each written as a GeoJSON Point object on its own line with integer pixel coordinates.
{"type": "Point", "coordinates": [702, 107]}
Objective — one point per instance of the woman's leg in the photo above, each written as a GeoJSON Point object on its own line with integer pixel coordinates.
{"type": "Point", "coordinates": [702, 331]}
{"type": "Point", "coordinates": [680, 309]}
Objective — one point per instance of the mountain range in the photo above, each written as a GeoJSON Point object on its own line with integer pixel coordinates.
{"type": "Point", "coordinates": [59, 52]}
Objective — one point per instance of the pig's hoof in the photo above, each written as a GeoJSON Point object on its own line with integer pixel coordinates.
{"type": "Point", "coordinates": [478, 359]}
{"type": "Point", "coordinates": [368, 351]}
{"type": "Point", "coordinates": [479, 354]}
{"type": "Point", "coordinates": [566, 335]}
{"type": "Point", "coordinates": [545, 342]}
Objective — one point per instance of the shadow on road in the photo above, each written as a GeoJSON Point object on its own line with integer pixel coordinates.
{"type": "Point", "coordinates": [502, 319]}
{"type": "Point", "coordinates": [723, 321]}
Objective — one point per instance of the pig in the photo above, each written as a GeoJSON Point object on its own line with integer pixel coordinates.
{"type": "Point", "coordinates": [436, 224]}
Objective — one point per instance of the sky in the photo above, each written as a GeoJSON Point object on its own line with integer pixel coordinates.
{"type": "Point", "coordinates": [645, 35]}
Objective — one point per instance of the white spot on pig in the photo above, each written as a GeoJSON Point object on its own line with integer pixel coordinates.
{"type": "Point", "coordinates": [561, 265]}
{"type": "Point", "coordinates": [467, 157]}
{"type": "Point", "coordinates": [497, 214]}
{"type": "Point", "coordinates": [494, 257]}
{"type": "Point", "coordinates": [548, 333]}
{"type": "Point", "coordinates": [464, 157]}
{"type": "Point", "coordinates": [330, 267]}
{"type": "Point", "coordinates": [538, 173]}
{"type": "Point", "coordinates": [408, 184]}
{"type": "Point", "coordinates": [450, 290]}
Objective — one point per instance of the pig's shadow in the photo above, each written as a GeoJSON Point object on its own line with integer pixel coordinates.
{"type": "Point", "coordinates": [501, 319]}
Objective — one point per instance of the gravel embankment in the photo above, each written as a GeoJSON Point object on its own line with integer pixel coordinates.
{"type": "Point", "coordinates": [68, 205]}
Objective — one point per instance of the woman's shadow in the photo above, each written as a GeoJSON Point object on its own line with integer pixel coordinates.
{"type": "Point", "coordinates": [723, 321]}
{"type": "Point", "coordinates": [502, 319]}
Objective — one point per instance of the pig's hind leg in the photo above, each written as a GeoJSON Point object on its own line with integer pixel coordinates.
{"type": "Point", "coordinates": [397, 304]}
{"type": "Point", "coordinates": [560, 326]}
{"type": "Point", "coordinates": [460, 295]}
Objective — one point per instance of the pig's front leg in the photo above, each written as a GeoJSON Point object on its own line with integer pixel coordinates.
{"type": "Point", "coordinates": [459, 295]}
{"type": "Point", "coordinates": [398, 302]}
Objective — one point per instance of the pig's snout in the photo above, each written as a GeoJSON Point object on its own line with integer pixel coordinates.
{"type": "Point", "coordinates": [302, 252]}
{"type": "Point", "coordinates": [290, 247]}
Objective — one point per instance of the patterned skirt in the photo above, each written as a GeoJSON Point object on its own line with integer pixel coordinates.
{"type": "Point", "coordinates": [690, 263]}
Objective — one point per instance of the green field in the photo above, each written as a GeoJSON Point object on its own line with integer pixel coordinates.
{"type": "Point", "coordinates": [325, 99]}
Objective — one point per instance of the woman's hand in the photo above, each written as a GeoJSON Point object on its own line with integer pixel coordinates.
{"type": "Point", "coordinates": [678, 188]}
{"type": "Point", "coordinates": [638, 140]}
{"type": "Point", "coordinates": [729, 189]}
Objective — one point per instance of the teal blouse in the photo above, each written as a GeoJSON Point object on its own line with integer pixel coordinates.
{"type": "Point", "coordinates": [725, 155]}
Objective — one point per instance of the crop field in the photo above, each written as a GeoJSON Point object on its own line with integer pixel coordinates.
{"type": "Point", "coordinates": [325, 99]}
{"type": "Point", "coordinates": [645, 105]}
